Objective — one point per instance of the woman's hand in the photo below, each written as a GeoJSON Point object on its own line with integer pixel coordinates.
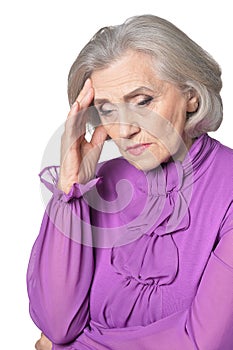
{"type": "Point", "coordinates": [43, 343]}
{"type": "Point", "coordinates": [78, 156]}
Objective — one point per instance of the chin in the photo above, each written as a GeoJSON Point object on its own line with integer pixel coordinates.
{"type": "Point", "coordinates": [149, 160]}
{"type": "Point", "coordinates": [144, 165]}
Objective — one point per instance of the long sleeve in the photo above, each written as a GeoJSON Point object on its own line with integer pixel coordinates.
{"type": "Point", "coordinates": [193, 264]}
{"type": "Point", "coordinates": [207, 325]}
{"type": "Point", "coordinates": [61, 269]}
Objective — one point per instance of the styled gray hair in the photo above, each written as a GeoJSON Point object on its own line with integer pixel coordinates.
{"type": "Point", "coordinates": [178, 60]}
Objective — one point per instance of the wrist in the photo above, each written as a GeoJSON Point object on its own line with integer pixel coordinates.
{"type": "Point", "coordinates": [65, 185]}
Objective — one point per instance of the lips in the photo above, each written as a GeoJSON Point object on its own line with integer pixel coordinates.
{"type": "Point", "coordinates": [138, 149]}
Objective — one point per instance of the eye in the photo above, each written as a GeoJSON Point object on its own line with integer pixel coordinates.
{"type": "Point", "coordinates": [145, 101]}
{"type": "Point", "coordinates": [106, 109]}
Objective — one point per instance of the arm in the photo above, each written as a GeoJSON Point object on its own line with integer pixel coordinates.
{"type": "Point", "coordinates": [61, 268]}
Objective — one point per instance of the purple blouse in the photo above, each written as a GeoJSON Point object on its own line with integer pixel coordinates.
{"type": "Point", "coordinates": [139, 260]}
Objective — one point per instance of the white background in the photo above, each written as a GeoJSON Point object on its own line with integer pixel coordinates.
{"type": "Point", "coordinates": [39, 42]}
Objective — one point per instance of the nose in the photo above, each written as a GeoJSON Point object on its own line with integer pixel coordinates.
{"type": "Point", "coordinates": [127, 124]}
{"type": "Point", "coordinates": [127, 130]}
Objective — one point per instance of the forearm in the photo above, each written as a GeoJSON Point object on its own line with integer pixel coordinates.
{"type": "Point", "coordinates": [60, 271]}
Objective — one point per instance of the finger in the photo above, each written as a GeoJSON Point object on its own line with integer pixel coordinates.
{"type": "Point", "coordinates": [75, 108]}
{"type": "Point", "coordinates": [43, 343]}
{"type": "Point", "coordinates": [76, 121]}
{"type": "Point", "coordinates": [87, 98]}
{"type": "Point", "coordinates": [86, 94]}
{"type": "Point", "coordinates": [99, 136]}
{"type": "Point", "coordinates": [38, 345]}
{"type": "Point", "coordinates": [78, 113]}
{"type": "Point", "coordinates": [82, 103]}
{"type": "Point", "coordinates": [84, 90]}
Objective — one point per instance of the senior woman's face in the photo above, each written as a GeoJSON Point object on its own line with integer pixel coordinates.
{"type": "Point", "coordinates": [144, 115]}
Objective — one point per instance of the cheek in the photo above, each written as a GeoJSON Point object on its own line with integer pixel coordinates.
{"type": "Point", "coordinates": [173, 108]}
{"type": "Point", "coordinates": [111, 129]}
{"type": "Point", "coordinates": [178, 118]}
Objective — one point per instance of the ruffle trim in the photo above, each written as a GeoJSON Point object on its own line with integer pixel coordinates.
{"type": "Point", "coordinates": [49, 177]}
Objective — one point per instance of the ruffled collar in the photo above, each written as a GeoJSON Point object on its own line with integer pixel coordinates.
{"type": "Point", "coordinates": [136, 216]}
{"type": "Point", "coordinates": [152, 257]}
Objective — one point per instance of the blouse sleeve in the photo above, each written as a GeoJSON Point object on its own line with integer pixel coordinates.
{"type": "Point", "coordinates": [206, 325]}
{"type": "Point", "coordinates": [61, 268]}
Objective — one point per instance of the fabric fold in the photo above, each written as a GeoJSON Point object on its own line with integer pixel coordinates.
{"type": "Point", "coordinates": [152, 260]}
{"type": "Point", "coordinates": [49, 177]}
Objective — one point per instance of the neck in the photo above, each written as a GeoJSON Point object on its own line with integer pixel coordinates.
{"type": "Point", "coordinates": [184, 148]}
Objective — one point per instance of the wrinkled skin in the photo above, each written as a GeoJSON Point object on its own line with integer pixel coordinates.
{"type": "Point", "coordinates": [43, 343]}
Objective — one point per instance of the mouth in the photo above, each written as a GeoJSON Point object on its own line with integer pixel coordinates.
{"type": "Point", "coordinates": [138, 149]}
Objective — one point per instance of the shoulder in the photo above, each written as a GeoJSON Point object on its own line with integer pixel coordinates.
{"type": "Point", "coordinates": [225, 150]}
{"type": "Point", "coordinates": [221, 172]}
{"type": "Point", "coordinates": [224, 157]}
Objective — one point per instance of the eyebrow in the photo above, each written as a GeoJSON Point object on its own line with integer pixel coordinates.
{"type": "Point", "coordinates": [139, 91]}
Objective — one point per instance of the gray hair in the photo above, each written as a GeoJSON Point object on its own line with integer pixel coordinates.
{"type": "Point", "coordinates": [178, 60]}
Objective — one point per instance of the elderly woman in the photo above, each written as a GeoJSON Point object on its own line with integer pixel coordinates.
{"type": "Point", "coordinates": [137, 252]}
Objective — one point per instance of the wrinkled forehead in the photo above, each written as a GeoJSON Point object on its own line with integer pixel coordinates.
{"type": "Point", "coordinates": [125, 75]}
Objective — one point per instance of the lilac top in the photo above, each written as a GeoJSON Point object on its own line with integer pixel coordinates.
{"type": "Point", "coordinates": [139, 260]}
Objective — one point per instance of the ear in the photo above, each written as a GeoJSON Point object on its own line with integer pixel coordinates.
{"type": "Point", "coordinates": [192, 101]}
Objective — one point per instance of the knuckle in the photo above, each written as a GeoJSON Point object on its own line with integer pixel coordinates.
{"type": "Point", "coordinates": [37, 345]}
{"type": "Point", "coordinates": [42, 344]}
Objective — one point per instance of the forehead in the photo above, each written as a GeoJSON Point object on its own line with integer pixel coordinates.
{"type": "Point", "coordinates": [131, 71]}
